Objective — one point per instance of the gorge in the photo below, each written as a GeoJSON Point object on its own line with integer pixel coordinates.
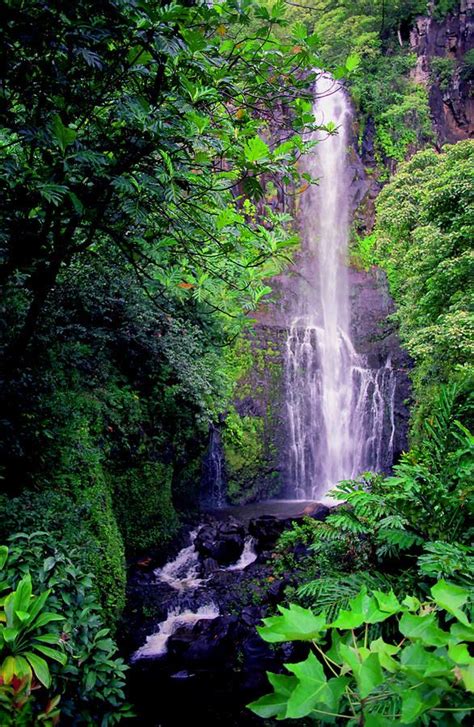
{"type": "Point", "coordinates": [337, 421]}
{"type": "Point", "coordinates": [236, 363]}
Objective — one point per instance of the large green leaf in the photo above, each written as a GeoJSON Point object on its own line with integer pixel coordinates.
{"type": "Point", "coordinates": [46, 618]}
{"type": "Point", "coordinates": [10, 634]}
{"type": "Point", "coordinates": [8, 669]}
{"type": "Point", "coordinates": [40, 668]}
{"type": "Point", "coordinates": [369, 675]}
{"type": "Point", "coordinates": [312, 687]}
{"type": "Point", "coordinates": [459, 653]}
{"type": "Point", "coordinates": [37, 606]}
{"type": "Point", "coordinates": [423, 628]}
{"type": "Point", "coordinates": [467, 675]}
{"type": "Point", "coordinates": [275, 705]}
{"type": "Point", "coordinates": [460, 632]}
{"type": "Point", "coordinates": [22, 595]}
{"type": "Point", "coordinates": [352, 62]}
{"type": "Point", "coordinates": [295, 624]}
{"type": "Point", "coordinates": [417, 660]}
{"type": "Point", "coordinates": [58, 656]}
{"type": "Point", "coordinates": [256, 149]}
{"type": "Point", "coordinates": [366, 609]}
{"type": "Point", "coordinates": [452, 598]}
{"type": "Point", "coordinates": [63, 134]}
{"type": "Point", "coordinates": [387, 602]}
{"type": "Point", "coordinates": [415, 702]}
{"type": "Point", "coordinates": [385, 652]}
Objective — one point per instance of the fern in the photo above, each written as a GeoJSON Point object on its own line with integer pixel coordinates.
{"type": "Point", "coordinates": [448, 560]}
{"type": "Point", "coordinates": [391, 541]}
{"type": "Point", "coordinates": [332, 593]}
{"type": "Point", "coordinates": [348, 522]}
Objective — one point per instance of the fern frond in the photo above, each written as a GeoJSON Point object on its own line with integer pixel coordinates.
{"type": "Point", "coordinates": [348, 522]}
{"type": "Point", "coordinates": [334, 592]}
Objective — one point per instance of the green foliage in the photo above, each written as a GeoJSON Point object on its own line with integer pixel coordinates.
{"type": "Point", "coordinates": [147, 167]}
{"type": "Point", "coordinates": [131, 250]}
{"type": "Point", "coordinates": [423, 240]}
{"type": "Point", "coordinates": [447, 560]}
{"type": "Point", "coordinates": [380, 85]}
{"type": "Point", "coordinates": [143, 505]}
{"type": "Point", "coordinates": [424, 673]}
{"type": "Point", "coordinates": [330, 593]}
{"type": "Point", "coordinates": [428, 498]}
{"type": "Point", "coordinates": [404, 123]}
{"type": "Point", "coordinates": [443, 8]}
{"type": "Point", "coordinates": [402, 532]}
{"type": "Point", "coordinates": [91, 682]}
{"type": "Point", "coordinates": [24, 643]}
{"type": "Point", "coordinates": [467, 65]}
{"type": "Point", "coordinates": [442, 69]}
{"type": "Point", "coordinates": [243, 446]}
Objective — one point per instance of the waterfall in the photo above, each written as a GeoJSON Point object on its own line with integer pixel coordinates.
{"type": "Point", "coordinates": [214, 486]}
{"type": "Point", "coordinates": [340, 410]}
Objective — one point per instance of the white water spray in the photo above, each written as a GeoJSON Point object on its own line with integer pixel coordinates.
{"type": "Point", "coordinates": [156, 644]}
{"type": "Point", "coordinates": [337, 405]}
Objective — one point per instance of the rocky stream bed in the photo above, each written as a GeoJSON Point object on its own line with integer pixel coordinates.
{"type": "Point", "coordinates": [189, 631]}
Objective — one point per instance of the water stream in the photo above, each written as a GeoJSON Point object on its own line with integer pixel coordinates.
{"type": "Point", "coordinates": [340, 410]}
{"type": "Point", "coordinates": [192, 598]}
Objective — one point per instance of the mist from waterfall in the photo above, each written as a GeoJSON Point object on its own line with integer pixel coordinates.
{"type": "Point", "coordinates": [338, 407]}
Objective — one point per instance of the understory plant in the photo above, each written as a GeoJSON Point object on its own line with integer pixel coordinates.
{"type": "Point", "coordinates": [381, 662]}
{"type": "Point", "coordinates": [28, 643]}
{"type": "Point", "coordinates": [86, 674]}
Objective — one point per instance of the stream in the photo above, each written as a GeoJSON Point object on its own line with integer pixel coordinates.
{"type": "Point", "coordinates": [190, 625]}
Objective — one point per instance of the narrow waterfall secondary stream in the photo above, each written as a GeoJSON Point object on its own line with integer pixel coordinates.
{"type": "Point", "coordinates": [338, 407]}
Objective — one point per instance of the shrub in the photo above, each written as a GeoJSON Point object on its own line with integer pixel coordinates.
{"type": "Point", "coordinates": [423, 674]}
{"type": "Point", "coordinates": [91, 682]}
{"type": "Point", "coordinates": [27, 642]}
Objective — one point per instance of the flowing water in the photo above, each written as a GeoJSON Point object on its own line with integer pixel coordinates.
{"type": "Point", "coordinates": [214, 485]}
{"type": "Point", "coordinates": [191, 600]}
{"type": "Point", "coordinates": [340, 411]}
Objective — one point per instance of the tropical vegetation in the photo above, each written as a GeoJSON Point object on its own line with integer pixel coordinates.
{"type": "Point", "coordinates": [150, 183]}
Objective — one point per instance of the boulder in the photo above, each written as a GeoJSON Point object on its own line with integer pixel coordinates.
{"type": "Point", "coordinates": [266, 530]}
{"type": "Point", "coordinates": [223, 542]}
{"type": "Point", "coordinates": [208, 643]}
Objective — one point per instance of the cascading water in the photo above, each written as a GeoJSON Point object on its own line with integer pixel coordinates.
{"type": "Point", "coordinates": [214, 486]}
{"type": "Point", "coordinates": [339, 409]}
{"type": "Point", "coordinates": [191, 599]}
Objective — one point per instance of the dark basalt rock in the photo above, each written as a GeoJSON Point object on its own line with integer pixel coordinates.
{"type": "Point", "coordinates": [320, 512]}
{"type": "Point", "coordinates": [207, 644]}
{"type": "Point", "coordinates": [266, 530]}
{"type": "Point", "coordinates": [222, 542]}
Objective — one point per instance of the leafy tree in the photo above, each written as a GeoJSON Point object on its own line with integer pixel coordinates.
{"type": "Point", "coordinates": [423, 240]}
{"type": "Point", "coordinates": [132, 126]}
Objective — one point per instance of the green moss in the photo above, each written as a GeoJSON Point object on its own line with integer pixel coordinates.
{"type": "Point", "coordinates": [243, 445]}
{"type": "Point", "coordinates": [143, 505]}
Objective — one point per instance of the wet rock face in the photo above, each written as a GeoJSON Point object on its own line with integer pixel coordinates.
{"type": "Point", "coordinates": [221, 542]}
{"type": "Point", "coordinates": [452, 104]}
{"type": "Point", "coordinates": [266, 530]}
{"type": "Point", "coordinates": [208, 644]}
